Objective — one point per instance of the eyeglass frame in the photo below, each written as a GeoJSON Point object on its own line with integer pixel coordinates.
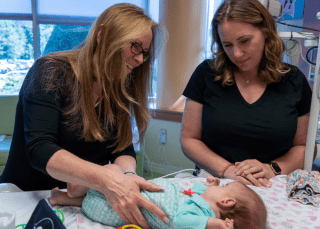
{"type": "Point", "coordinates": [145, 54]}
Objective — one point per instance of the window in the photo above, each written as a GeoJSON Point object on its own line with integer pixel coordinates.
{"type": "Point", "coordinates": [32, 28]}
{"type": "Point", "coordinates": [16, 54]}
{"type": "Point", "coordinates": [212, 5]}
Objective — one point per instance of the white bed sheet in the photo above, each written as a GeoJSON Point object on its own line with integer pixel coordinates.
{"type": "Point", "coordinates": [282, 213]}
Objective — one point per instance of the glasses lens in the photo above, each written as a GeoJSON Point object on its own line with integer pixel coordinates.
{"type": "Point", "coordinates": [136, 48]}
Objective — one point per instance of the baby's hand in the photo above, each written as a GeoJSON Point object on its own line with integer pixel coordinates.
{"type": "Point", "coordinates": [215, 223]}
{"type": "Point", "coordinates": [228, 223]}
{"type": "Point", "coordinates": [212, 181]}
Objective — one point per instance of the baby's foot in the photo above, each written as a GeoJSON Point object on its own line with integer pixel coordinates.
{"type": "Point", "coordinates": [54, 196]}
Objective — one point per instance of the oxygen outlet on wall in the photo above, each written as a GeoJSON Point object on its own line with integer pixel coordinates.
{"type": "Point", "coordinates": [163, 136]}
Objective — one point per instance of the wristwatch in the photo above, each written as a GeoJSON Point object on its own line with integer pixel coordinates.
{"type": "Point", "coordinates": [275, 167]}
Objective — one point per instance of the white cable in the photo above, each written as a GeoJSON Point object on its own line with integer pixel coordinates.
{"type": "Point", "coordinates": [298, 51]}
{"type": "Point", "coordinates": [146, 156]}
{"type": "Point", "coordinates": [165, 157]}
{"type": "Point", "coordinates": [159, 150]}
{"type": "Point", "coordinates": [183, 171]}
{"type": "Point", "coordinates": [303, 34]}
{"type": "Point", "coordinates": [176, 172]}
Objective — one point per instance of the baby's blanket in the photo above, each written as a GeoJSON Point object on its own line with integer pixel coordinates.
{"type": "Point", "coordinates": [304, 186]}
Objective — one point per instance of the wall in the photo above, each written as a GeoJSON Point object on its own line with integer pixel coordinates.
{"type": "Point", "coordinates": [169, 152]}
{"type": "Point", "coordinates": [185, 22]}
{"type": "Point", "coordinates": [7, 114]}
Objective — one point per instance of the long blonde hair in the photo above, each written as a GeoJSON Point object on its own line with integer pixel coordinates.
{"type": "Point", "coordinates": [120, 97]}
{"type": "Point", "coordinates": [271, 67]}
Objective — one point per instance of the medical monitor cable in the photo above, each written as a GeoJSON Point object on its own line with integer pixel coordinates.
{"type": "Point", "coordinates": [296, 26]}
{"type": "Point", "coordinates": [307, 55]}
{"type": "Point", "coordinates": [301, 33]}
{"type": "Point", "coordinates": [183, 171]}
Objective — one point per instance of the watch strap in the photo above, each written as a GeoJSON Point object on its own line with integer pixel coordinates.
{"type": "Point", "coordinates": [273, 165]}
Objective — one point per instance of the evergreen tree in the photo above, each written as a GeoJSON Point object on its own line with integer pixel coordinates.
{"type": "Point", "coordinates": [65, 37]}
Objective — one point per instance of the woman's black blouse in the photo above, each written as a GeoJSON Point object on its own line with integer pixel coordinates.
{"type": "Point", "coordinates": [40, 131]}
{"type": "Point", "coordinates": [237, 130]}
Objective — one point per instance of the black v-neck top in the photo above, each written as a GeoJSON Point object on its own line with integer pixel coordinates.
{"type": "Point", "coordinates": [40, 130]}
{"type": "Point", "coordinates": [237, 130]}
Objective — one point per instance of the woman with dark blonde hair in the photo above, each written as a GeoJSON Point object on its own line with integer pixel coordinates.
{"type": "Point", "coordinates": [247, 112]}
{"type": "Point", "coordinates": [76, 109]}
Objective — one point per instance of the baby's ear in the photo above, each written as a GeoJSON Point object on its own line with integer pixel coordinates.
{"type": "Point", "coordinates": [226, 203]}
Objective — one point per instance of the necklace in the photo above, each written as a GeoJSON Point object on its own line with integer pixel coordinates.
{"type": "Point", "coordinates": [248, 79]}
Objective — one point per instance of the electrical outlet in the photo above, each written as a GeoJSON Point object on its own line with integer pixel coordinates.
{"type": "Point", "coordinates": [163, 136]}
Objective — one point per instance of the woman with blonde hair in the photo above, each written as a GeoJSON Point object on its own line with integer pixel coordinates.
{"type": "Point", "coordinates": [247, 112]}
{"type": "Point", "coordinates": [75, 113]}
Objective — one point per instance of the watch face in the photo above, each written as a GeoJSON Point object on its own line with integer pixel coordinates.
{"type": "Point", "coordinates": [276, 167]}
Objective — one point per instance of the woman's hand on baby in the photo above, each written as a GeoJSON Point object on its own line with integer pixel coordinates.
{"type": "Point", "coordinates": [231, 174]}
{"type": "Point", "coordinates": [123, 194]}
{"type": "Point", "coordinates": [254, 169]}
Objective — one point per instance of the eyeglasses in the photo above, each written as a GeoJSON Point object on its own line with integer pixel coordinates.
{"type": "Point", "coordinates": [137, 49]}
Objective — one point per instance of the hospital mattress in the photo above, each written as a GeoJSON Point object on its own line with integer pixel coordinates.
{"type": "Point", "coordinates": [282, 213]}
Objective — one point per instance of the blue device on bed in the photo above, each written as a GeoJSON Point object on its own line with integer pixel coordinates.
{"type": "Point", "coordinates": [44, 217]}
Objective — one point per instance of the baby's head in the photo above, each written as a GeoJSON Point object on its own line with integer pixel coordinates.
{"type": "Point", "coordinates": [238, 202]}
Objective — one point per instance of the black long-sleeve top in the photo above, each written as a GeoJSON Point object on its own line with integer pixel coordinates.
{"type": "Point", "coordinates": [40, 130]}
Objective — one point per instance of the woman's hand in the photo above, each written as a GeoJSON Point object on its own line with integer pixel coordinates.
{"type": "Point", "coordinates": [123, 194]}
{"type": "Point", "coordinates": [249, 179]}
{"type": "Point", "coordinates": [254, 168]}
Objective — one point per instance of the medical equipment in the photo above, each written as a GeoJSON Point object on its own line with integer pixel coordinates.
{"type": "Point", "coordinates": [273, 6]}
{"type": "Point", "coordinates": [311, 41]}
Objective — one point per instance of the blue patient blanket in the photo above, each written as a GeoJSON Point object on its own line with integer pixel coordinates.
{"type": "Point", "coordinates": [95, 206]}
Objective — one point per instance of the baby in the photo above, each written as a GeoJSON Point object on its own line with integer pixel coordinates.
{"type": "Point", "coordinates": [204, 206]}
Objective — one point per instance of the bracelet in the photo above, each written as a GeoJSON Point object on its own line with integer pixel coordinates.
{"type": "Point", "coordinates": [225, 169]}
{"type": "Point", "coordinates": [129, 171]}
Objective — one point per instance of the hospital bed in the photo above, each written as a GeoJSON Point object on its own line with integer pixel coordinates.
{"type": "Point", "coordinates": [282, 213]}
